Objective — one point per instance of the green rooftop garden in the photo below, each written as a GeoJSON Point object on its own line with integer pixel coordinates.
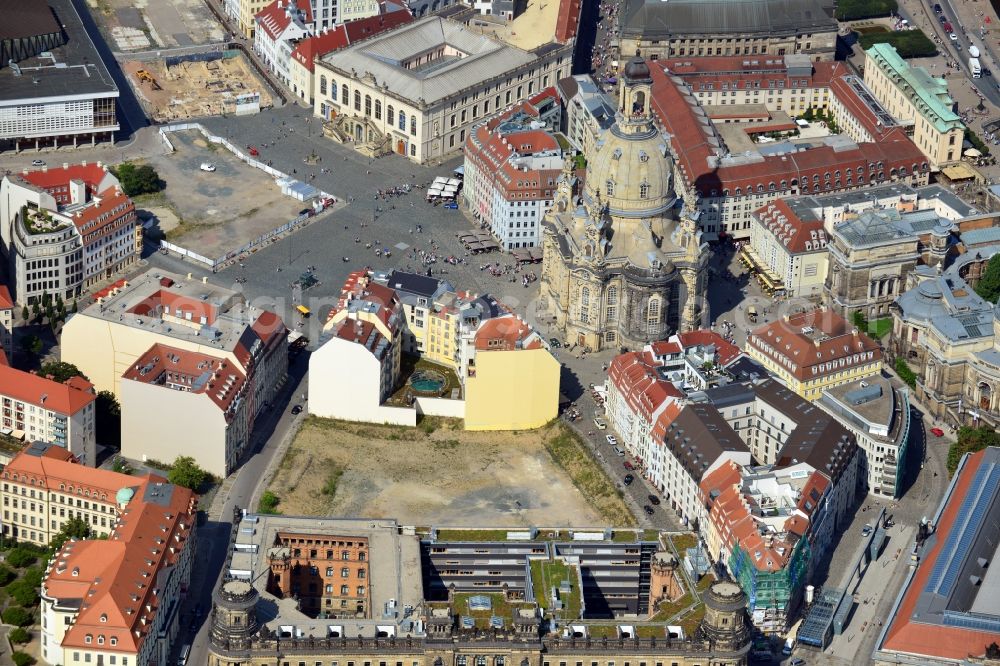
{"type": "Point", "coordinates": [500, 607]}
{"type": "Point", "coordinates": [40, 221]}
{"type": "Point", "coordinates": [474, 535]}
{"type": "Point", "coordinates": [683, 541]}
{"type": "Point", "coordinates": [546, 574]}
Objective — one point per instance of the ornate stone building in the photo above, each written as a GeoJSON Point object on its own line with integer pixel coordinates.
{"type": "Point", "coordinates": [238, 638]}
{"type": "Point", "coordinates": [619, 270]}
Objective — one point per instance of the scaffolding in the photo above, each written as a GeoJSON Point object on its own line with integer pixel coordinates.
{"type": "Point", "coordinates": [773, 596]}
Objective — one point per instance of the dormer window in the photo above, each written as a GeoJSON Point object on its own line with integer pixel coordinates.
{"type": "Point", "coordinates": [617, 155]}
{"type": "Point", "coordinates": [643, 190]}
{"type": "Point", "coordinates": [609, 188]}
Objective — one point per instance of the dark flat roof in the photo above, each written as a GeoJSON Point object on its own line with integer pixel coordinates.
{"type": "Point", "coordinates": [23, 19]}
{"type": "Point", "coordinates": [413, 283]}
{"type": "Point", "coordinates": [77, 70]}
{"type": "Point", "coordinates": [656, 18]}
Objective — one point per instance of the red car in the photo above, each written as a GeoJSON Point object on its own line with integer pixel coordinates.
{"type": "Point", "coordinates": [629, 465]}
{"type": "Point", "coordinates": [937, 432]}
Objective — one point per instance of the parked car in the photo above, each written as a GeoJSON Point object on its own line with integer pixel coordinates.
{"type": "Point", "coordinates": [600, 423]}
{"type": "Point", "coordinates": [628, 479]}
{"type": "Point", "coordinates": [953, 37]}
{"type": "Point", "coordinates": [297, 409]}
{"type": "Point", "coordinates": [554, 343]}
{"type": "Point", "coordinates": [649, 510]}
{"type": "Point", "coordinates": [452, 205]}
{"type": "Point", "coordinates": [612, 440]}
{"type": "Point", "coordinates": [941, 19]}
{"type": "Point", "coordinates": [937, 432]}
{"type": "Point", "coordinates": [207, 166]}
{"type": "Point", "coordinates": [37, 163]}
{"type": "Point", "coordinates": [937, 8]}
{"type": "Point", "coordinates": [618, 451]}
{"type": "Point", "coordinates": [797, 661]}
{"type": "Point", "coordinates": [866, 530]}
{"type": "Point", "coordinates": [628, 465]}
{"type": "Point", "coordinates": [654, 500]}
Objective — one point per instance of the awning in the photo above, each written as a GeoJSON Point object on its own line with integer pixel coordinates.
{"type": "Point", "coordinates": [303, 309]}
{"type": "Point", "coordinates": [972, 152]}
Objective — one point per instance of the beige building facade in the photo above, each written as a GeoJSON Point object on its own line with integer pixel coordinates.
{"type": "Point", "coordinates": [919, 101]}
{"type": "Point", "coordinates": [441, 78]}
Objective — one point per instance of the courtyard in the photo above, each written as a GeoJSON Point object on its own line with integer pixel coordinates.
{"type": "Point", "coordinates": [440, 474]}
{"type": "Point", "coordinates": [212, 213]}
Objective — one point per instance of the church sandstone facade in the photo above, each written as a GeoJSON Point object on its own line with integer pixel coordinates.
{"type": "Point", "coordinates": [619, 269]}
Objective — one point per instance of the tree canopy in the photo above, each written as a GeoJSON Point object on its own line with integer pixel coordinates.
{"type": "Point", "coordinates": [970, 440]}
{"type": "Point", "coordinates": [138, 180]}
{"type": "Point", "coordinates": [60, 371]}
{"type": "Point", "coordinates": [186, 473]}
{"type": "Point", "coordinates": [989, 283]}
{"type": "Point", "coordinates": [108, 419]}
{"type": "Point", "coordinates": [74, 528]}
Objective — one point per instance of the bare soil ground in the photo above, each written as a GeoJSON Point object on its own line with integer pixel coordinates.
{"type": "Point", "coordinates": [219, 211]}
{"type": "Point", "coordinates": [435, 474]}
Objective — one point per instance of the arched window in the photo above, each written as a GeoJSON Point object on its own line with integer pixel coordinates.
{"type": "Point", "coordinates": [609, 188]}
{"type": "Point", "coordinates": [345, 97]}
{"type": "Point", "coordinates": [611, 305]}
{"type": "Point", "coordinates": [585, 305]}
{"type": "Point", "coordinates": [402, 120]}
{"type": "Point", "coordinates": [357, 100]}
{"type": "Point", "coordinates": [378, 109]}
{"type": "Point", "coordinates": [368, 105]}
{"type": "Point", "coordinates": [390, 115]}
{"type": "Point", "coordinates": [480, 660]}
{"type": "Point", "coordinates": [322, 85]}
{"type": "Point", "coordinates": [653, 314]}
{"type": "Point", "coordinates": [413, 125]}
{"type": "Point", "coordinates": [643, 190]}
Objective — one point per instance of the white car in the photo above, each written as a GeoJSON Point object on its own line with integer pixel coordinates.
{"type": "Point", "coordinates": [207, 166]}
{"type": "Point", "coordinates": [612, 440]}
{"type": "Point", "coordinates": [953, 37]}
{"type": "Point", "coordinates": [601, 425]}
{"type": "Point", "coordinates": [37, 163]}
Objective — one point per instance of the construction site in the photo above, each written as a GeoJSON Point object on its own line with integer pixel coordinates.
{"type": "Point", "coordinates": [198, 85]}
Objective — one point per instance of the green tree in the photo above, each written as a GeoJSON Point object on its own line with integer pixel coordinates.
{"type": "Point", "coordinates": [22, 659]}
{"type": "Point", "coordinates": [906, 373]}
{"type": "Point", "coordinates": [970, 440]}
{"type": "Point", "coordinates": [24, 313]}
{"type": "Point", "coordinates": [186, 473]}
{"type": "Point", "coordinates": [989, 283]}
{"type": "Point", "coordinates": [46, 299]}
{"type": "Point", "coordinates": [19, 635]}
{"type": "Point", "coordinates": [138, 180]}
{"type": "Point", "coordinates": [74, 528]}
{"type": "Point", "coordinates": [23, 593]}
{"type": "Point", "coordinates": [35, 310]}
{"type": "Point", "coordinates": [268, 503]}
{"type": "Point", "coordinates": [121, 466]}
{"type": "Point", "coordinates": [60, 371]}
{"type": "Point", "coordinates": [6, 575]}
{"type": "Point", "coordinates": [17, 616]}
{"type": "Point", "coordinates": [31, 344]}
{"type": "Point", "coordinates": [108, 420]}
{"type": "Point", "coordinates": [20, 557]}
{"type": "Point", "coordinates": [75, 306]}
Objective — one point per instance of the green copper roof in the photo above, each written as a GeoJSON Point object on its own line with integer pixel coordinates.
{"type": "Point", "coordinates": [929, 95]}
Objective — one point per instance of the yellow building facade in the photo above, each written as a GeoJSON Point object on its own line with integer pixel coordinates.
{"type": "Point", "coordinates": [916, 98]}
{"type": "Point", "coordinates": [512, 390]}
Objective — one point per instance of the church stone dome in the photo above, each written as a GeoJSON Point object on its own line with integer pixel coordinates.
{"type": "Point", "coordinates": [637, 70]}
{"type": "Point", "coordinates": [632, 174]}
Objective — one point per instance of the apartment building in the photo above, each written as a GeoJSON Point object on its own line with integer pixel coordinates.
{"type": "Point", "coordinates": [919, 101]}
{"type": "Point", "coordinates": [40, 409]}
{"type": "Point", "coordinates": [791, 83]}
{"type": "Point", "coordinates": [787, 252]}
{"type": "Point", "coordinates": [878, 416]}
{"type": "Point", "coordinates": [6, 321]}
{"type": "Point", "coordinates": [814, 350]}
{"type": "Point", "coordinates": [588, 111]}
{"type": "Point", "coordinates": [115, 600]}
{"type": "Point", "coordinates": [732, 181]}
{"type": "Point", "coordinates": [511, 167]}
{"type": "Point", "coordinates": [324, 13]}
{"type": "Point", "coordinates": [280, 26]}
{"type": "Point", "coordinates": [445, 75]}
{"type": "Point", "coordinates": [45, 485]}
{"type": "Point", "coordinates": [108, 337]}
{"type": "Point", "coordinates": [66, 229]}
{"type": "Point", "coordinates": [208, 389]}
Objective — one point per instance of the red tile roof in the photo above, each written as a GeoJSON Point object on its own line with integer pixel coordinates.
{"type": "Point", "coordinates": [345, 34]}
{"type": "Point", "coordinates": [634, 376]}
{"type": "Point", "coordinates": [90, 173]}
{"type": "Point", "coordinates": [568, 21]}
{"type": "Point", "coordinates": [506, 333]}
{"type": "Point", "coordinates": [274, 18]}
{"type": "Point", "coordinates": [795, 233]}
{"type": "Point", "coordinates": [67, 398]}
{"type": "Point", "coordinates": [699, 150]}
{"type": "Point", "coordinates": [936, 640]}
{"type": "Point", "coordinates": [57, 470]}
{"type": "Point", "coordinates": [118, 581]}
{"type": "Point", "coordinates": [181, 369]}
{"type": "Point", "coordinates": [725, 351]}
{"type": "Point", "coordinates": [832, 340]}
{"type": "Point", "coordinates": [6, 302]}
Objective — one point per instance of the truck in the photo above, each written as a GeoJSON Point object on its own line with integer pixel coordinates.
{"type": "Point", "coordinates": [975, 68]}
{"type": "Point", "coordinates": [973, 51]}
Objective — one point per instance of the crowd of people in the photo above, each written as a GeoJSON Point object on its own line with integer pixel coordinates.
{"type": "Point", "coordinates": [603, 55]}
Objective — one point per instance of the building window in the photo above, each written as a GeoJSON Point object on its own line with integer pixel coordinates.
{"type": "Point", "coordinates": [345, 97]}
{"type": "Point", "coordinates": [643, 190]}
{"type": "Point", "coordinates": [357, 100]}
{"type": "Point", "coordinates": [378, 109]}
{"type": "Point", "coordinates": [609, 188]}
{"type": "Point", "coordinates": [611, 301]}
{"type": "Point", "coordinates": [653, 314]}
{"type": "Point", "coordinates": [390, 115]}
{"type": "Point", "coordinates": [322, 85]}
{"type": "Point", "coordinates": [413, 125]}
{"type": "Point", "coordinates": [585, 305]}
{"type": "Point", "coordinates": [368, 105]}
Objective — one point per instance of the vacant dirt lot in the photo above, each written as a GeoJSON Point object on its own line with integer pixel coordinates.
{"type": "Point", "coordinates": [222, 210]}
{"type": "Point", "coordinates": [436, 474]}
